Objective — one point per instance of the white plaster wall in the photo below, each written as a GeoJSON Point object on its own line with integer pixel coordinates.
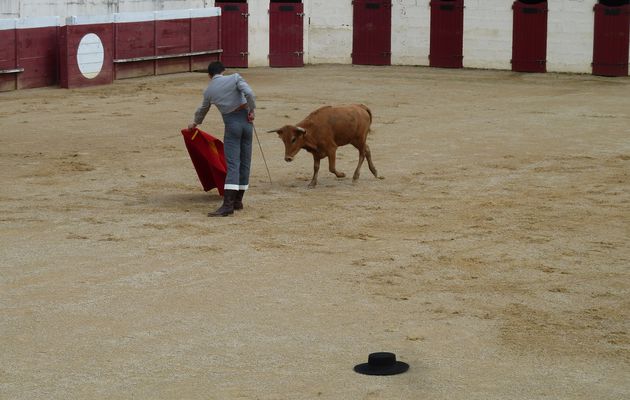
{"type": "Point", "coordinates": [10, 8]}
{"type": "Point", "coordinates": [488, 33]}
{"type": "Point", "coordinates": [411, 24]}
{"type": "Point", "coordinates": [327, 32]}
{"type": "Point", "coordinates": [329, 26]}
{"type": "Point", "coordinates": [570, 31]}
{"type": "Point", "coordinates": [258, 33]}
{"type": "Point", "coordinates": [65, 8]}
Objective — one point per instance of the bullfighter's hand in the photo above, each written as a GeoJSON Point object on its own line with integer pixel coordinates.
{"type": "Point", "coordinates": [192, 126]}
{"type": "Point", "coordinates": [250, 116]}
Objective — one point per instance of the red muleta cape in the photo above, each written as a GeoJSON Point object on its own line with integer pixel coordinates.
{"type": "Point", "coordinates": [206, 153]}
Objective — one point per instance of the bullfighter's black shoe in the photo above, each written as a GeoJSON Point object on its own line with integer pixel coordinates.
{"type": "Point", "coordinates": [238, 201]}
{"type": "Point", "coordinates": [227, 208]}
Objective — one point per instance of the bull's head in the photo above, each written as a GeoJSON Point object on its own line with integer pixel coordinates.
{"type": "Point", "coordinates": [293, 138]}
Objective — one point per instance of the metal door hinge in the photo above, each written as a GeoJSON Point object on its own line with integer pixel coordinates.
{"type": "Point", "coordinates": [245, 15]}
{"type": "Point", "coordinates": [298, 53]}
{"type": "Point", "coordinates": [300, 15]}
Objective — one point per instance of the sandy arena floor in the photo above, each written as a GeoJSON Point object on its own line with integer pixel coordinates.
{"type": "Point", "coordinates": [493, 258]}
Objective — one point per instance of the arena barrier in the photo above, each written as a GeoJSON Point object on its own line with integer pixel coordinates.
{"type": "Point", "coordinates": [29, 54]}
{"type": "Point", "coordinates": [95, 50]}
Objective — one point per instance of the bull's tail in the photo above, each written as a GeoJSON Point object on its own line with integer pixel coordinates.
{"type": "Point", "coordinates": [366, 108]}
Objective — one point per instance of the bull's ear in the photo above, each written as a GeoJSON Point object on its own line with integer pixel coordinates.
{"type": "Point", "coordinates": [300, 131]}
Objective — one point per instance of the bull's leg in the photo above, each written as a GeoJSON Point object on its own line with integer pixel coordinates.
{"type": "Point", "coordinates": [361, 158]}
{"type": "Point", "coordinates": [368, 155]}
{"type": "Point", "coordinates": [331, 164]}
{"type": "Point", "coordinates": [315, 171]}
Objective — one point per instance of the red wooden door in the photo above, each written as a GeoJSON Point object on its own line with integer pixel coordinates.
{"type": "Point", "coordinates": [447, 34]}
{"type": "Point", "coordinates": [610, 45]}
{"type": "Point", "coordinates": [529, 37]}
{"type": "Point", "coordinates": [372, 32]}
{"type": "Point", "coordinates": [234, 37]}
{"type": "Point", "coordinates": [286, 35]}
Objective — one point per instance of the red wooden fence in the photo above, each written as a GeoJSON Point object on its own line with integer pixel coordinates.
{"type": "Point", "coordinates": [28, 53]}
{"type": "Point", "coordinates": [165, 42]}
{"type": "Point", "coordinates": [8, 61]}
{"type": "Point", "coordinates": [36, 52]}
{"type": "Point", "coordinates": [134, 38]}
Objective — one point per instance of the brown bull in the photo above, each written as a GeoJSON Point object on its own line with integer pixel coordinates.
{"type": "Point", "coordinates": [324, 130]}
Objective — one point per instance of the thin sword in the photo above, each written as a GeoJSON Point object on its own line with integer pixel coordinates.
{"type": "Point", "coordinates": [263, 153]}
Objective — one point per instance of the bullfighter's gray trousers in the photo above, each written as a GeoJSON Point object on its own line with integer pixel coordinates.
{"type": "Point", "coordinates": [237, 144]}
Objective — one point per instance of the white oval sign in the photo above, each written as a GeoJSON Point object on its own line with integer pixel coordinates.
{"type": "Point", "coordinates": [90, 55]}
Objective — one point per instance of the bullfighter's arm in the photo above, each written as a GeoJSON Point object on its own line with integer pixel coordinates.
{"type": "Point", "coordinates": [201, 112]}
{"type": "Point", "coordinates": [247, 92]}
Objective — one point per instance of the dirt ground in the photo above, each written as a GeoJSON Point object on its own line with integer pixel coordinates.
{"type": "Point", "coordinates": [493, 257]}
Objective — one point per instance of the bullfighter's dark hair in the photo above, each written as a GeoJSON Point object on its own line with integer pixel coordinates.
{"type": "Point", "coordinates": [215, 67]}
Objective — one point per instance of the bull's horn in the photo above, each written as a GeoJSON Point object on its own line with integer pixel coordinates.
{"type": "Point", "coordinates": [300, 129]}
{"type": "Point", "coordinates": [274, 130]}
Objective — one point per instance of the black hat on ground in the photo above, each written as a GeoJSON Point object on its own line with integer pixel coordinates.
{"type": "Point", "coordinates": [382, 364]}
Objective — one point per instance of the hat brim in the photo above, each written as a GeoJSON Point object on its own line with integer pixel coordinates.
{"type": "Point", "coordinates": [398, 368]}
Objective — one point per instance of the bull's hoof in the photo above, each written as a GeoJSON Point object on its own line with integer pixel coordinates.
{"type": "Point", "coordinates": [340, 175]}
